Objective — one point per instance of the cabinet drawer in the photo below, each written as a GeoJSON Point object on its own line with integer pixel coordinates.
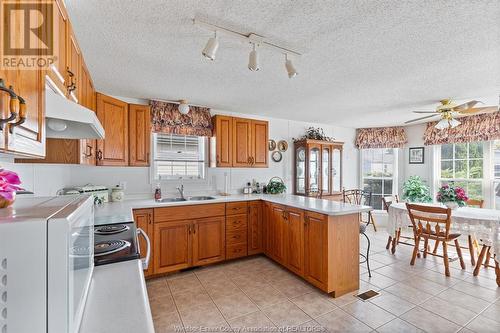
{"type": "Point", "coordinates": [236, 222]}
{"type": "Point", "coordinates": [189, 212]}
{"type": "Point", "coordinates": [233, 208]}
{"type": "Point", "coordinates": [236, 251]}
{"type": "Point", "coordinates": [236, 236]}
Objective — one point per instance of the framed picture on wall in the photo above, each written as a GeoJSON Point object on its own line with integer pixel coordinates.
{"type": "Point", "coordinates": [416, 155]}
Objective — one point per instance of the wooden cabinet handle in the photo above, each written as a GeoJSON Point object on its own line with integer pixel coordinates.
{"type": "Point", "coordinates": [99, 154]}
{"type": "Point", "coordinates": [89, 149]}
{"type": "Point", "coordinates": [150, 220]}
{"type": "Point", "coordinates": [217, 159]}
{"type": "Point", "coordinates": [22, 114]}
{"type": "Point", "coordinates": [194, 229]}
{"type": "Point", "coordinates": [249, 160]}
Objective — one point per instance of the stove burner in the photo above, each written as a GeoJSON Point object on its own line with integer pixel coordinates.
{"type": "Point", "coordinates": [111, 229]}
{"type": "Point", "coordinates": [80, 251]}
{"type": "Point", "coordinates": [111, 246]}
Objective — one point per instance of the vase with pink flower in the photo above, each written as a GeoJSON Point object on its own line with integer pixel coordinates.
{"type": "Point", "coordinates": [9, 184]}
{"type": "Point", "coordinates": [452, 196]}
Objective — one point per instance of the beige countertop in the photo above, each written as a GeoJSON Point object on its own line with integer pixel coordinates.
{"type": "Point", "coordinates": [118, 212]}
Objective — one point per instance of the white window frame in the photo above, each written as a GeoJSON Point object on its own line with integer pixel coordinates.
{"type": "Point", "coordinates": [394, 174]}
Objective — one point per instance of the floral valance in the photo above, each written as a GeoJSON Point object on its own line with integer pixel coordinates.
{"type": "Point", "coordinates": [381, 137]}
{"type": "Point", "coordinates": [481, 127]}
{"type": "Point", "coordinates": [166, 118]}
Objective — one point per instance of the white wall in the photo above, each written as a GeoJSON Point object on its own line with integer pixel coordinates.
{"type": "Point", "coordinates": [46, 179]}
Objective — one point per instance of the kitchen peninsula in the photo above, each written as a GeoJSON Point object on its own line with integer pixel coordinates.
{"type": "Point", "coordinates": [316, 239]}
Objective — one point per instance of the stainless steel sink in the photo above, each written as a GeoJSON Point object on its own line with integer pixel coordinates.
{"type": "Point", "coordinates": [203, 197]}
{"type": "Point", "coordinates": [170, 199]}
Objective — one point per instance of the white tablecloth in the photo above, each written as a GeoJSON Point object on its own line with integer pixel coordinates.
{"type": "Point", "coordinates": [481, 223]}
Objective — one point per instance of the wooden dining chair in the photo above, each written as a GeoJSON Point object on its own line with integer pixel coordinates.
{"type": "Point", "coordinates": [433, 223]}
{"type": "Point", "coordinates": [478, 203]}
{"type": "Point", "coordinates": [473, 243]}
{"type": "Point", "coordinates": [360, 197]}
{"type": "Point", "coordinates": [387, 202]}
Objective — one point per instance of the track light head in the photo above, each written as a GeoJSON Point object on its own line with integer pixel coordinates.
{"type": "Point", "coordinates": [253, 60]}
{"type": "Point", "coordinates": [292, 72]}
{"type": "Point", "coordinates": [211, 48]}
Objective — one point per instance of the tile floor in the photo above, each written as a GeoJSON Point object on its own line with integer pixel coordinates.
{"type": "Point", "coordinates": [257, 295]}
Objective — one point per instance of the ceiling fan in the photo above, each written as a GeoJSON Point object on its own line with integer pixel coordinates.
{"type": "Point", "coordinates": [448, 111]}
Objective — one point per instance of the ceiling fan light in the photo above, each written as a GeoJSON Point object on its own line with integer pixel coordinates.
{"type": "Point", "coordinates": [454, 123]}
{"type": "Point", "coordinates": [292, 72]}
{"type": "Point", "coordinates": [253, 60]}
{"type": "Point", "coordinates": [211, 48]}
{"type": "Point", "coordinates": [442, 124]}
{"type": "Point", "coordinates": [183, 107]}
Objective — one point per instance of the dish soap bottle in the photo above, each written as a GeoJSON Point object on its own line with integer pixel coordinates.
{"type": "Point", "coordinates": [158, 192]}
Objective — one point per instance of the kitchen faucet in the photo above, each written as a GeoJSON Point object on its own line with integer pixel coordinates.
{"type": "Point", "coordinates": [181, 190]}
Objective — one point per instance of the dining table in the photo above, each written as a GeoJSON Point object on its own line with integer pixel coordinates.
{"type": "Point", "coordinates": [480, 223]}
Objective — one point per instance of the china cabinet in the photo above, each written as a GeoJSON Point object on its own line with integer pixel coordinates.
{"type": "Point", "coordinates": [318, 168]}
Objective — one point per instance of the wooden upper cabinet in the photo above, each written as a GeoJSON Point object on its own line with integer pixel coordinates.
{"type": "Point", "coordinates": [113, 115]}
{"type": "Point", "coordinates": [144, 219]}
{"type": "Point", "coordinates": [209, 240]}
{"type": "Point", "coordinates": [255, 227]}
{"type": "Point", "coordinates": [242, 142]}
{"type": "Point", "coordinates": [73, 65]}
{"type": "Point", "coordinates": [57, 72]}
{"type": "Point", "coordinates": [223, 138]}
{"type": "Point", "coordinates": [259, 140]}
{"type": "Point", "coordinates": [139, 134]}
{"type": "Point", "coordinates": [172, 246]}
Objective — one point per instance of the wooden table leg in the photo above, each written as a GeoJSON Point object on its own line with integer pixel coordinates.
{"type": "Point", "coordinates": [472, 251]}
{"type": "Point", "coordinates": [488, 255]}
{"type": "Point", "coordinates": [497, 272]}
{"type": "Point", "coordinates": [394, 241]}
{"type": "Point", "coordinates": [389, 241]}
{"type": "Point", "coordinates": [480, 260]}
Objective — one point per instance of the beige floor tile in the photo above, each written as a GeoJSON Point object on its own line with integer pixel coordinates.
{"type": "Point", "coordinates": [464, 300]}
{"type": "Point", "coordinates": [492, 312]}
{"type": "Point", "coordinates": [187, 283]}
{"type": "Point", "coordinates": [344, 299]}
{"type": "Point", "coordinates": [439, 278]}
{"type": "Point", "coordinates": [292, 287]}
{"type": "Point", "coordinates": [177, 275]}
{"type": "Point", "coordinates": [398, 326]}
{"type": "Point", "coordinates": [286, 314]}
{"type": "Point", "coordinates": [448, 310]}
{"type": "Point", "coordinates": [483, 281]}
{"type": "Point", "coordinates": [168, 323]}
{"type": "Point", "coordinates": [211, 276]}
{"type": "Point", "coordinates": [162, 305]}
{"type": "Point", "coordinates": [369, 313]}
{"type": "Point", "coordinates": [265, 296]}
{"type": "Point", "coordinates": [340, 321]}
{"type": "Point", "coordinates": [378, 280]}
{"type": "Point", "coordinates": [484, 325]}
{"type": "Point", "coordinates": [384, 258]}
{"type": "Point", "coordinates": [191, 299]}
{"type": "Point", "coordinates": [204, 316]}
{"type": "Point", "coordinates": [157, 288]}
{"type": "Point", "coordinates": [429, 321]}
{"type": "Point", "coordinates": [313, 304]}
{"type": "Point", "coordinates": [221, 288]}
{"type": "Point", "coordinates": [235, 305]}
{"type": "Point", "coordinates": [394, 304]}
{"type": "Point", "coordinates": [394, 273]}
{"type": "Point", "coordinates": [311, 326]}
{"type": "Point", "coordinates": [425, 285]}
{"type": "Point", "coordinates": [408, 293]}
{"type": "Point", "coordinates": [478, 291]}
{"type": "Point", "coordinates": [253, 322]}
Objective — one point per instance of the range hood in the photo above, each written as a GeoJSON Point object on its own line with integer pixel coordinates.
{"type": "Point", "coordinates": [68, 120]}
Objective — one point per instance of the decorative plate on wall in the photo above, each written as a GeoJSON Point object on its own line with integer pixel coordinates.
{"type": "Point", "coordinates": [276, 156]}
{"type": "Point", "coordinates": [282, 145]}
{"type": "Point", "coordinates": [271, 145]}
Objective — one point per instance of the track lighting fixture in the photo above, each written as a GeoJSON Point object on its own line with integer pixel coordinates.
{"type": "Point", "coordinates": [253, 60]}
{"type": "Point", "coordinates": [211, 48]}
{"type": "Point", "coordinates": [183, 107]}
{"type": "Point", "coordinates": [289, 67]}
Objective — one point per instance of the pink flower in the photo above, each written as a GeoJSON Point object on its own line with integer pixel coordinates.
{"type": "Point", "coordinates": [9, 182]}
{"type": "Point", "coordinates": [9, 177]}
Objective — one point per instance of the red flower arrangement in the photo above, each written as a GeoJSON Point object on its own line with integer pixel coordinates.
{"type": "Point", "coordinates": [9, 181]}
{"type": "Point", "coordinates": [450, 193]}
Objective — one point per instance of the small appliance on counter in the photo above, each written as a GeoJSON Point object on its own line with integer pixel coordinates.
{"type": "Point", "coordinates": [117, 194]}
{"type": "Point", "coordinates": [99, 192]}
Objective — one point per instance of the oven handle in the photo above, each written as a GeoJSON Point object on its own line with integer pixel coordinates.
{"type": "Point", "coordinates": [145, 261]}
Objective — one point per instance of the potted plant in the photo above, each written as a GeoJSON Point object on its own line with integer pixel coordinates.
{"type": "Point", "coordinates": [276, 186]}
{"type": "Point", "coordinates": [414, 190]}
{"type": "Point", "coordinates": [452, 196]}
{"type": "Point", "coordinates": [9, 182]}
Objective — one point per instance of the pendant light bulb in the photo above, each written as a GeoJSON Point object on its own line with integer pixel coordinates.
{"type": "Point", "coordinates": [211, 48]}
{"type": "Point", "coordinates": [292, 72]}
{"type": "Point", "coordinates": [253, 61]}
{"type": "Point", "coordinates": [183, 107]}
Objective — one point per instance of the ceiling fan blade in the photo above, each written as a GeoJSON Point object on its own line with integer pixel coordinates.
{"type": "Point", "coordinates": [421, 118]}
{"type": "Point", "coordinates": [424, 111]}
{"type": "Point", "coordinates": [466, 106]}
{"type": "Point", "coordinates": [483, 109]}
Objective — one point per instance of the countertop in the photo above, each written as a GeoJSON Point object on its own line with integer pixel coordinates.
{"type": "Point", "coordinates": [118, 212]}
{"type": "Point", "coordinates": [118, 300]}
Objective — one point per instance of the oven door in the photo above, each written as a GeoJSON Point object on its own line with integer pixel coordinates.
{"type": "Point", "coordinates": [70, 264]}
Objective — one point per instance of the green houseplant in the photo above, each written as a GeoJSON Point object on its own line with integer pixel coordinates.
{"type": "Point", "coordinates": [276, 186]}
{"type": "Point", "coordinates": [414, 190]}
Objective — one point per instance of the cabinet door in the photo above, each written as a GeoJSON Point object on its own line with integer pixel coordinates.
{"type": "Point", "coordinates": [172, 246]}
{"type": "Point", "coordinates": [139, 134]}
{"type": "Point", "coordinates": [316, 251]}
{"type": "Point", "coordinates": [223, 139]}
{"type": "Point", "coordinates": [57, 72]}
{"type": "Point", "coordinates": [113, 114]}
{"type": "Point", "coordinates": [255, 227]}
{"type": "Point", "coordinates": [314, 177]}
{"type": "Point", "coordinates": [144, 219]}
{"type": "Point", "coordinates": [87, 99]}
{"type": "Point", "coordinates": [259, 143]}
{"type": "Point", "coordinates": [242, 142]}
{"type": "Point", "coordinates": [74, 65]}
{"type": "Point", "coordinates": [294, 240]}
{"type": "Point", "coordinates": [209, 240]}
{"type": "Point", "coordinates": [336, 169]}
{"type": "Point", "coordinates": [277, 233]}
{"type": "Point", "coordinates": [326, 175]}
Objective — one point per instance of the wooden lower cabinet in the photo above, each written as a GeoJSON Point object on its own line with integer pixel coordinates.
{"type": "Point", "coordinates": [255, 227]}
{"type": "Point", "coordinates": [144, 219]}
{"type": "Point", "coordinates": [276, 230]}
{"type": "Point", "coordinates": [316, 250]}
{"type": "Point", "coordinates": [209, 240]}
{"type": "Point", "coordinates": [173, 246]}
{"type": "Point", "coordinates": [294, 240]}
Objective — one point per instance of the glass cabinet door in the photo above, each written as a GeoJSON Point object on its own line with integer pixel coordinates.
{"type": "Point", "coordinates": [325, 171]}
{"type": "Point", "coordinates": [314, 169]}
{"type": "Point", "coordinates": [337, 170]}
{"type": "Point", "coordinates": [300, 169]}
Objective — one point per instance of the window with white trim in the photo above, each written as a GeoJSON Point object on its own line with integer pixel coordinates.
{"type": "Point", "coordinates": [179, 156]}
{"type": "Point", "coordinates": [496, 173]}
{"type": "Point", "coordinates": [379, 173]}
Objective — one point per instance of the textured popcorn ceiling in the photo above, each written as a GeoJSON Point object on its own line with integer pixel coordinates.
{"type": "Point", "coordinates": [365, 63]}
